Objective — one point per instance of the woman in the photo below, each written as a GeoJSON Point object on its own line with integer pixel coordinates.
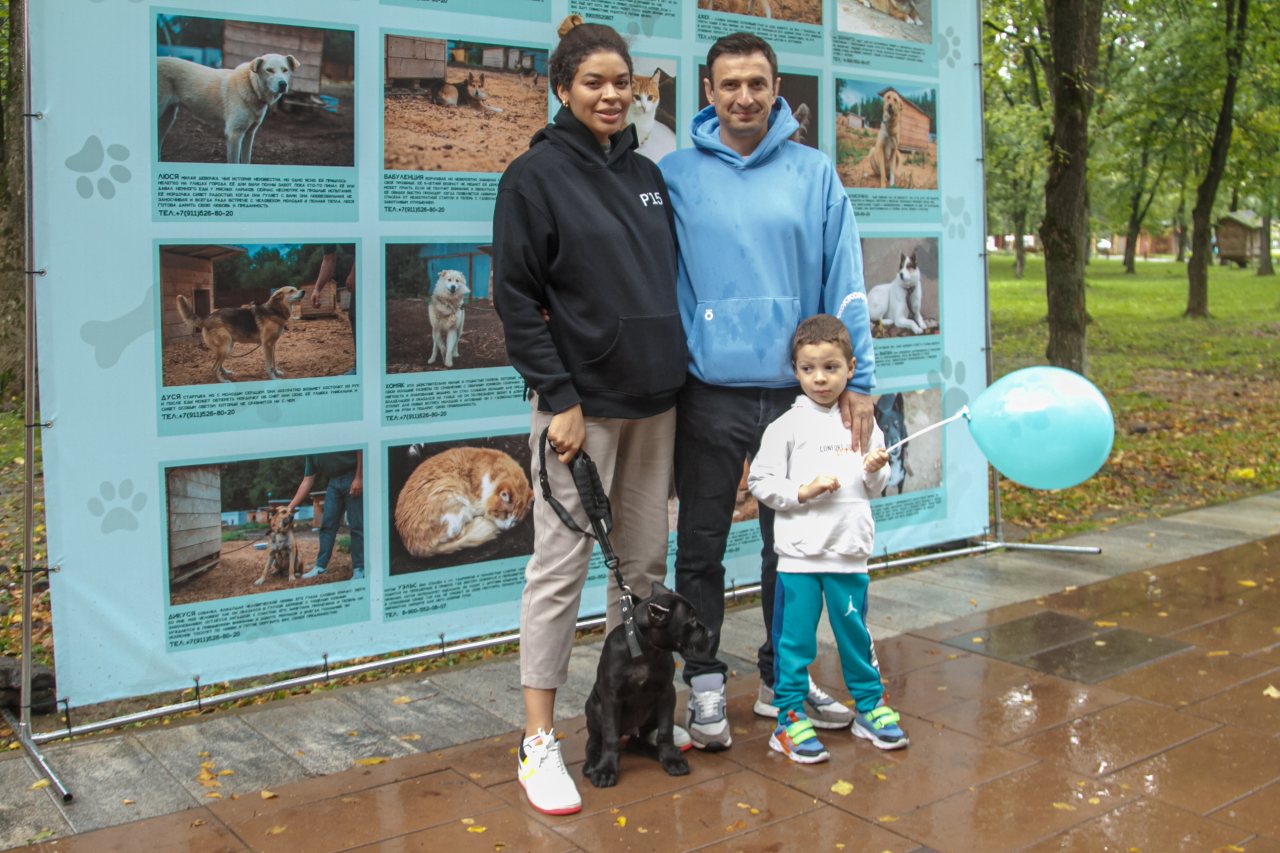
{"type": "Point", "coordinates": [584, 280]}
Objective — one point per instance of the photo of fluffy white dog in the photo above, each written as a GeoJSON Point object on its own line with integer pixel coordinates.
{"type": "Point", "coordinates": [447, 314]}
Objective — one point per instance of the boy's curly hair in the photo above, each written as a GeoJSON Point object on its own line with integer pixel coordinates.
{"type": "Point", "coordinates": [821, 329]}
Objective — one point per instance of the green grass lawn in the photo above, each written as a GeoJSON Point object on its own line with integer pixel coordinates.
{"type": "Point", "coordinates": [1197, 402]}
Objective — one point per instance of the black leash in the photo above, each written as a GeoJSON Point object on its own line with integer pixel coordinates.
{"type": "Point", "coordinates": [596, 504]}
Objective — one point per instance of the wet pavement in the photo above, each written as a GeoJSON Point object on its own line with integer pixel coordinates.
{"type": "Point", "coordinates": [1123, 701]}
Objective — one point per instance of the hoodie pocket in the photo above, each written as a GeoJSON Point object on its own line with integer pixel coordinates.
{"type": "Point", "coordinates": [744, 341]}
{"type": "Point", "coordinates": [647, 358]}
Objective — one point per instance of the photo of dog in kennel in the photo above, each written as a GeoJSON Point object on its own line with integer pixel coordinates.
{"type": "Point", "coordinates": [245, 313]}
{"type": "Point", "coordinates": [901, 275]}
{"type": "Point", "coordinates": [886, 136]}
{"type": "Point", "coordinates": [258, 525]}
{"type": "Point", "coordinates": [440, 312]}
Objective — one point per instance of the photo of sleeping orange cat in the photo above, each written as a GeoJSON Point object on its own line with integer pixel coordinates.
{"type": "Point", "coordinates": [460, 498]}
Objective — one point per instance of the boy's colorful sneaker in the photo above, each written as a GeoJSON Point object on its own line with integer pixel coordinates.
{"type": "Point", "coordinates": [794, 737]}
{"type": "Point", "coordinates": [824, 711]}
{"type": "Point", "coordinates": [880, 726]}
{"type": "Point", "coordinates": [546, 781]}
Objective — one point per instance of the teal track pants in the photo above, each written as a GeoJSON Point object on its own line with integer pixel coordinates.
{"type": "Point", "coordinates": [797, 608]}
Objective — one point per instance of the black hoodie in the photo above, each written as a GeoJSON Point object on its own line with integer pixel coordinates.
{"type": "Point", "coordinates": [590, 238]}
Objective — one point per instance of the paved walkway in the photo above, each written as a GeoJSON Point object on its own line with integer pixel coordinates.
{"type": "Point", "coordinates": [1055, 702]}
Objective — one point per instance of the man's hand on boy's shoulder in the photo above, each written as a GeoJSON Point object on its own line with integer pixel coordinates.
{"type": "Point", "coordinates": [856, 412]}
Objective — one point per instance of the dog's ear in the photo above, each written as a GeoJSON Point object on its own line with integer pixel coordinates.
{"type": "Point", "coordinates": [293, 62]}
{"type": "Point", "coordinates": [658, 589]}
{"type": "Point", "coordinates": [256, 67]}
{"type": "Point", "coordinates": [658, 615]}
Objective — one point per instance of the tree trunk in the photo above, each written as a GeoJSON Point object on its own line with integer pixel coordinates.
{"type": "Point", "coordinates": [12, 209]}
{"type": "Point", "coordinates": [1265, 267]}
{"type": "Point", "coordinates": [1019, 243]}
{"type": "Point", "coordinates": [1131, 233]}
{"type": "Point", "coordinates": [1237, 12]}
{"type": "Point", "coordinates": [1073, 32]}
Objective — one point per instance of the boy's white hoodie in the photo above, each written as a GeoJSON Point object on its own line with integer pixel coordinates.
{"type": "Point", "coordinates": [833, 532]}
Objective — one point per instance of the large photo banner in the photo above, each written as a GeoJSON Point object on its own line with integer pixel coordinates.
{"type": "Point", "coordinates": [271, 370]}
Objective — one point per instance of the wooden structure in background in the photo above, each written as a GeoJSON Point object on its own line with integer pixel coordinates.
{"type": "Point", "coordinates": [413, 61]}
{"type": "Point", "coordinates": [245, 40]}
{"type": "Point", "coordinates": [195, 520]}
{"type": "Point", "coordinates": [188, 271]}
{"type": "Point", "coordinates": [1239, 236]}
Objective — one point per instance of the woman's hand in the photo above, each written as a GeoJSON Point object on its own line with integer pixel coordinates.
{"type": "Point", "coordinates": [567, 433]}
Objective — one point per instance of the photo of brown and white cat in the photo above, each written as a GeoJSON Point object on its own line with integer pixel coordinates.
{"type": "Point", "coordinates": [459, 502]}
{"type": "Point", "coordinates": [652, 108]}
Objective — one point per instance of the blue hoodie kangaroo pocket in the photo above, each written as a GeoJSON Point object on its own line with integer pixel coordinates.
{"type": "Point", "coordinates": [647, 358]}
{"type": "Point", "coordinates": [744, 341]}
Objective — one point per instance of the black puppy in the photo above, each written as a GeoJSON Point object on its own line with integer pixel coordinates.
{"type": "Point", "coordinates": [636, 695]}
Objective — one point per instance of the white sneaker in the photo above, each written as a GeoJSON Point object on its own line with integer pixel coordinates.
{"type": "Point", "coordinates": [316, 571]}
{"type": "Point", "coordinates": [708, 723]}
{"type": "Point", "coordinates": [678, 734]}
{"type": "Point", "coordinates": [541, 772]}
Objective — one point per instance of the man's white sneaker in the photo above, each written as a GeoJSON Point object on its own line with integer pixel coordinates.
{"type": "Point", "coordinates": [546, 781]}
{"type": "Point", "coordinates": [678, 734]}
{"type": "Point", "coordinates": [824, 711]}
{"type": "Point", "coordinates": [708, 723]}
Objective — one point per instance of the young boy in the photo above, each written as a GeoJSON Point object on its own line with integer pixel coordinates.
{"type": "Point", "coordinates": [823, 533]}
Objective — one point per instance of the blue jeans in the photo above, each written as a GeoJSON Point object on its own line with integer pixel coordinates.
{"type": "Point", "coordinates": [716, 429]}
{"type": "Point", "coordinates": [337, 499]}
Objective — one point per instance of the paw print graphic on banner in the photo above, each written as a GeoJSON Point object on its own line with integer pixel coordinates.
{"type": "Point", "coordinates": [949, 48]}
{"type": "Point", "coordinates": [955, 218]}
{"type": "Point", "coordinates": [90, 158]}
{"type": "Point", "coordinates": [949, 377]}
{"type": "Point", "coordinates": [117, 506]}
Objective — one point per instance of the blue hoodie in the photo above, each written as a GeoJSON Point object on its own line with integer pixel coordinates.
{"type": "Point", "coordinates": [765, 241]}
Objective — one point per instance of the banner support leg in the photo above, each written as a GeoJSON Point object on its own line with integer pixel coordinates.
{"type": "Point", "coordinates": [21, 731]}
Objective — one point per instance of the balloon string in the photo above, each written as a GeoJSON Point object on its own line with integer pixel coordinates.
{"type": "Point", "coordinates": [963, 413]}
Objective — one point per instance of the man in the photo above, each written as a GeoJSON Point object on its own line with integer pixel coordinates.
{"type": "Point", "coordinates": [329, 272]}
{"type": "Point", "coordinates": [767, 238]}
{"type": "Point", "coordinates": [344, 471]}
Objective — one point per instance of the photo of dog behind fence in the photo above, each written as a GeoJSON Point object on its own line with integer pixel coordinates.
{"type": "Point", "coordinates": [917, 465]}
{"type": "Point", "coordinates": [460, 106]}
{"type": "Point", "coordinates": [901, 275]}
{"type": "Point", "coordinates": [251, 312]}
{"type": "Point", "coordinates": [440, 313]}
{"type": "Point", "coordinates": [456, 502]}
{"type": "Point", "coordinates": [230, 532]}
{"type": "Point", "coordinates": [249, 92]}
{"type": "Point", "coordinates": [886, 135]}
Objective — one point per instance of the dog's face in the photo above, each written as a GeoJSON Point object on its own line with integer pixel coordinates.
{"type": "Point", "coordinates": [288, 293]}
{"type": "Point", "coordinates": [908, 272]}
{"type": "Point", "coordinates": [475, 87]}
{"type": "Point", "coordinates": [668, 621]}
{"type": "Point", "coordinates": [450, 283]}
{"type": "Point", "coordinates": [892, 102]}
{"type": "Point", "coordinates": [281, 520]}
{"type": "Point", "coordinates": [275, 72]}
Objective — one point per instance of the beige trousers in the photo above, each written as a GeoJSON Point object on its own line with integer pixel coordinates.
{"type": "Point", "coordinates": [634, 458]}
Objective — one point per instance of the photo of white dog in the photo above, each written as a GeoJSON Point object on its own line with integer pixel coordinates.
{"type": "Point", "coordinates": [895, 307]}
{"type": "Point", "coordinates": [446, 313]}
{"type": "Point", "coordinates": [898, 302]}
{"type": "Point", "coordinates": [233, 100]}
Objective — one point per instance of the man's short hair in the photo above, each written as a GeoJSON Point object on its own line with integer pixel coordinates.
{"type": "Point", "coordinates": [821, 329]}
{"type": "Point", "coordinates": [741, 44]}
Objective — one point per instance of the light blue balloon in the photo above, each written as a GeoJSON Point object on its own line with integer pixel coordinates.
{"type": "Point", "coordinates": [1043, 427]}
